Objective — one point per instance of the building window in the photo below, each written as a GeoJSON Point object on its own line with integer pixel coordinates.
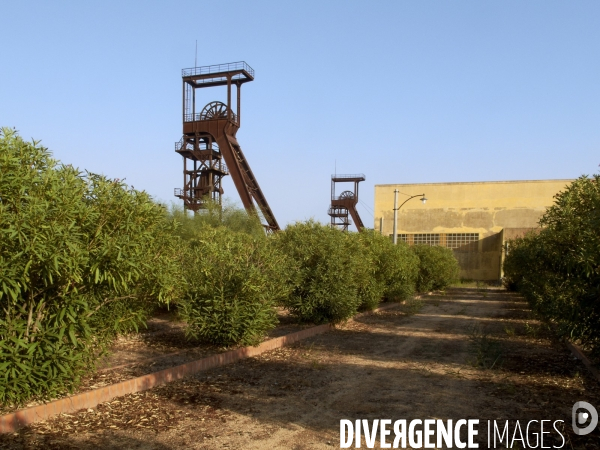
{"type": "Point", "coordinates": [464, 241]}
{"type": "Point", "coordinates": [426, 239]}
{"type": "Point", "coordinates": [457, 240]}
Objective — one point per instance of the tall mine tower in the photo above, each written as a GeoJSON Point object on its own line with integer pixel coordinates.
{"type": "Point", "coordinates": [345, 204]}
{"type": "Point", "coordinates": [209, 146]}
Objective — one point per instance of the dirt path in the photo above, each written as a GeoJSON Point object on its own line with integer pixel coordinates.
{"type": "Point", "coordinates": [468, 354]}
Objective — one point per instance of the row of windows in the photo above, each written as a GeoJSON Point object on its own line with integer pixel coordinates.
{"type": "Point", "coordinates": [449, 240]}
{"type": "Point", "coordinates": [456, 240]}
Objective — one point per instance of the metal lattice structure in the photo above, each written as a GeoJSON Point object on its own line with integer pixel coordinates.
{"type": "Point", "coordinates": [344, 206]}
{"type": "Point", "coordinates": [209, 146]}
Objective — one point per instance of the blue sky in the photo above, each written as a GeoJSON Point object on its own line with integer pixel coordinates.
{"type": "Point", "coordinates": [402, 91]}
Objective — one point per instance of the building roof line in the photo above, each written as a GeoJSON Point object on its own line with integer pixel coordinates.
{"type": "Point", "coordinates": [568, 180]}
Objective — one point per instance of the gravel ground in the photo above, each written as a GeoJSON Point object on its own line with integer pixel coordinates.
{"type": "Point", "coordinates": [463, 354]}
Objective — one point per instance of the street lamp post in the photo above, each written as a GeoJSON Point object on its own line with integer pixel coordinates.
{"type": "Point", "coordinates": [396, 208]}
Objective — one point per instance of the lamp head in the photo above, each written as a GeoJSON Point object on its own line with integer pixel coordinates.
{"type": "Point", "coordinates": [423, 199]}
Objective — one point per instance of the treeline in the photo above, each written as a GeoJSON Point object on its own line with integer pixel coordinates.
{"type": "Point", "coordinates": [558, 269]}
{"type": "Point", "coordinates": [84, 258]}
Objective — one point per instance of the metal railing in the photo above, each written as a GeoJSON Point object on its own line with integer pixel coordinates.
{"type": "Point", "coordinates": [178, 144]}
{"type": "Point", "coordinates": [349, 176]}
{"type": "Point", "coordinates": [224, 168]}
{"type": "Point", "coordinates": [218, 68]}
{"type": "Point", "coordinates": [199, 116]}
{"type": "Point", "coordinates": [221, 168]}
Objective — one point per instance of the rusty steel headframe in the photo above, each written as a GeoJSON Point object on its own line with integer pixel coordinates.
{"type": "Point", "coordinates": [209, 146]}
{"type": "Point", "coordinates": [345, 203]}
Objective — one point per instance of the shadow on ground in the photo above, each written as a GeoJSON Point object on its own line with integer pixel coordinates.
{"type": "Point", "coordinates": [384, 365]}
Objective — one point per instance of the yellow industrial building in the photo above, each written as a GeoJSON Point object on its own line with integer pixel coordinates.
{"type": "Point", "coordinates": [473, 219]}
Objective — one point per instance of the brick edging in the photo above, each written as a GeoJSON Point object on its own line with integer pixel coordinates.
{"type": "Point", "coordinates": [9, 423]}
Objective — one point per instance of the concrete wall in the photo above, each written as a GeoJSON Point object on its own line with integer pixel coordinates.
{"type": "Point", "coordinates": [486, 208]}
{"type": "Point", "coordinates": [484, 263]}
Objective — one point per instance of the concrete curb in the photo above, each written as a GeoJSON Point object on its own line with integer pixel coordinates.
{"type": "Point", "coordinates": [9, 423]}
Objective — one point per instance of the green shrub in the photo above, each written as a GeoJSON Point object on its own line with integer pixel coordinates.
{"type": "Point", "coordinates": [214, 215]}
{"type": "Point", "coordinates": [400, 268]}
{"type": "Point", "coordinates": [387, 271]}
{"type": "Point", "coordinates": [522, 254]}
{"type": "Point", "coordinates": [438, 268]}
{"type": "Point", "coordinates": [81, 258]}
{"type": "Point", "coordinates": [365, 256]}
{"type": "Point", "coordinates": [325, 287]}
{"type": "Point", "coordinates": [558, 269]}
{"type": "Point", "coordinates": [233, 283]}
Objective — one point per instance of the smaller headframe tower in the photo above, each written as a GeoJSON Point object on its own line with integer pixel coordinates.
{"type": "Point", "coordinates": [209, 145]}
{"type": "Point", "coordinates": [345, 204]}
